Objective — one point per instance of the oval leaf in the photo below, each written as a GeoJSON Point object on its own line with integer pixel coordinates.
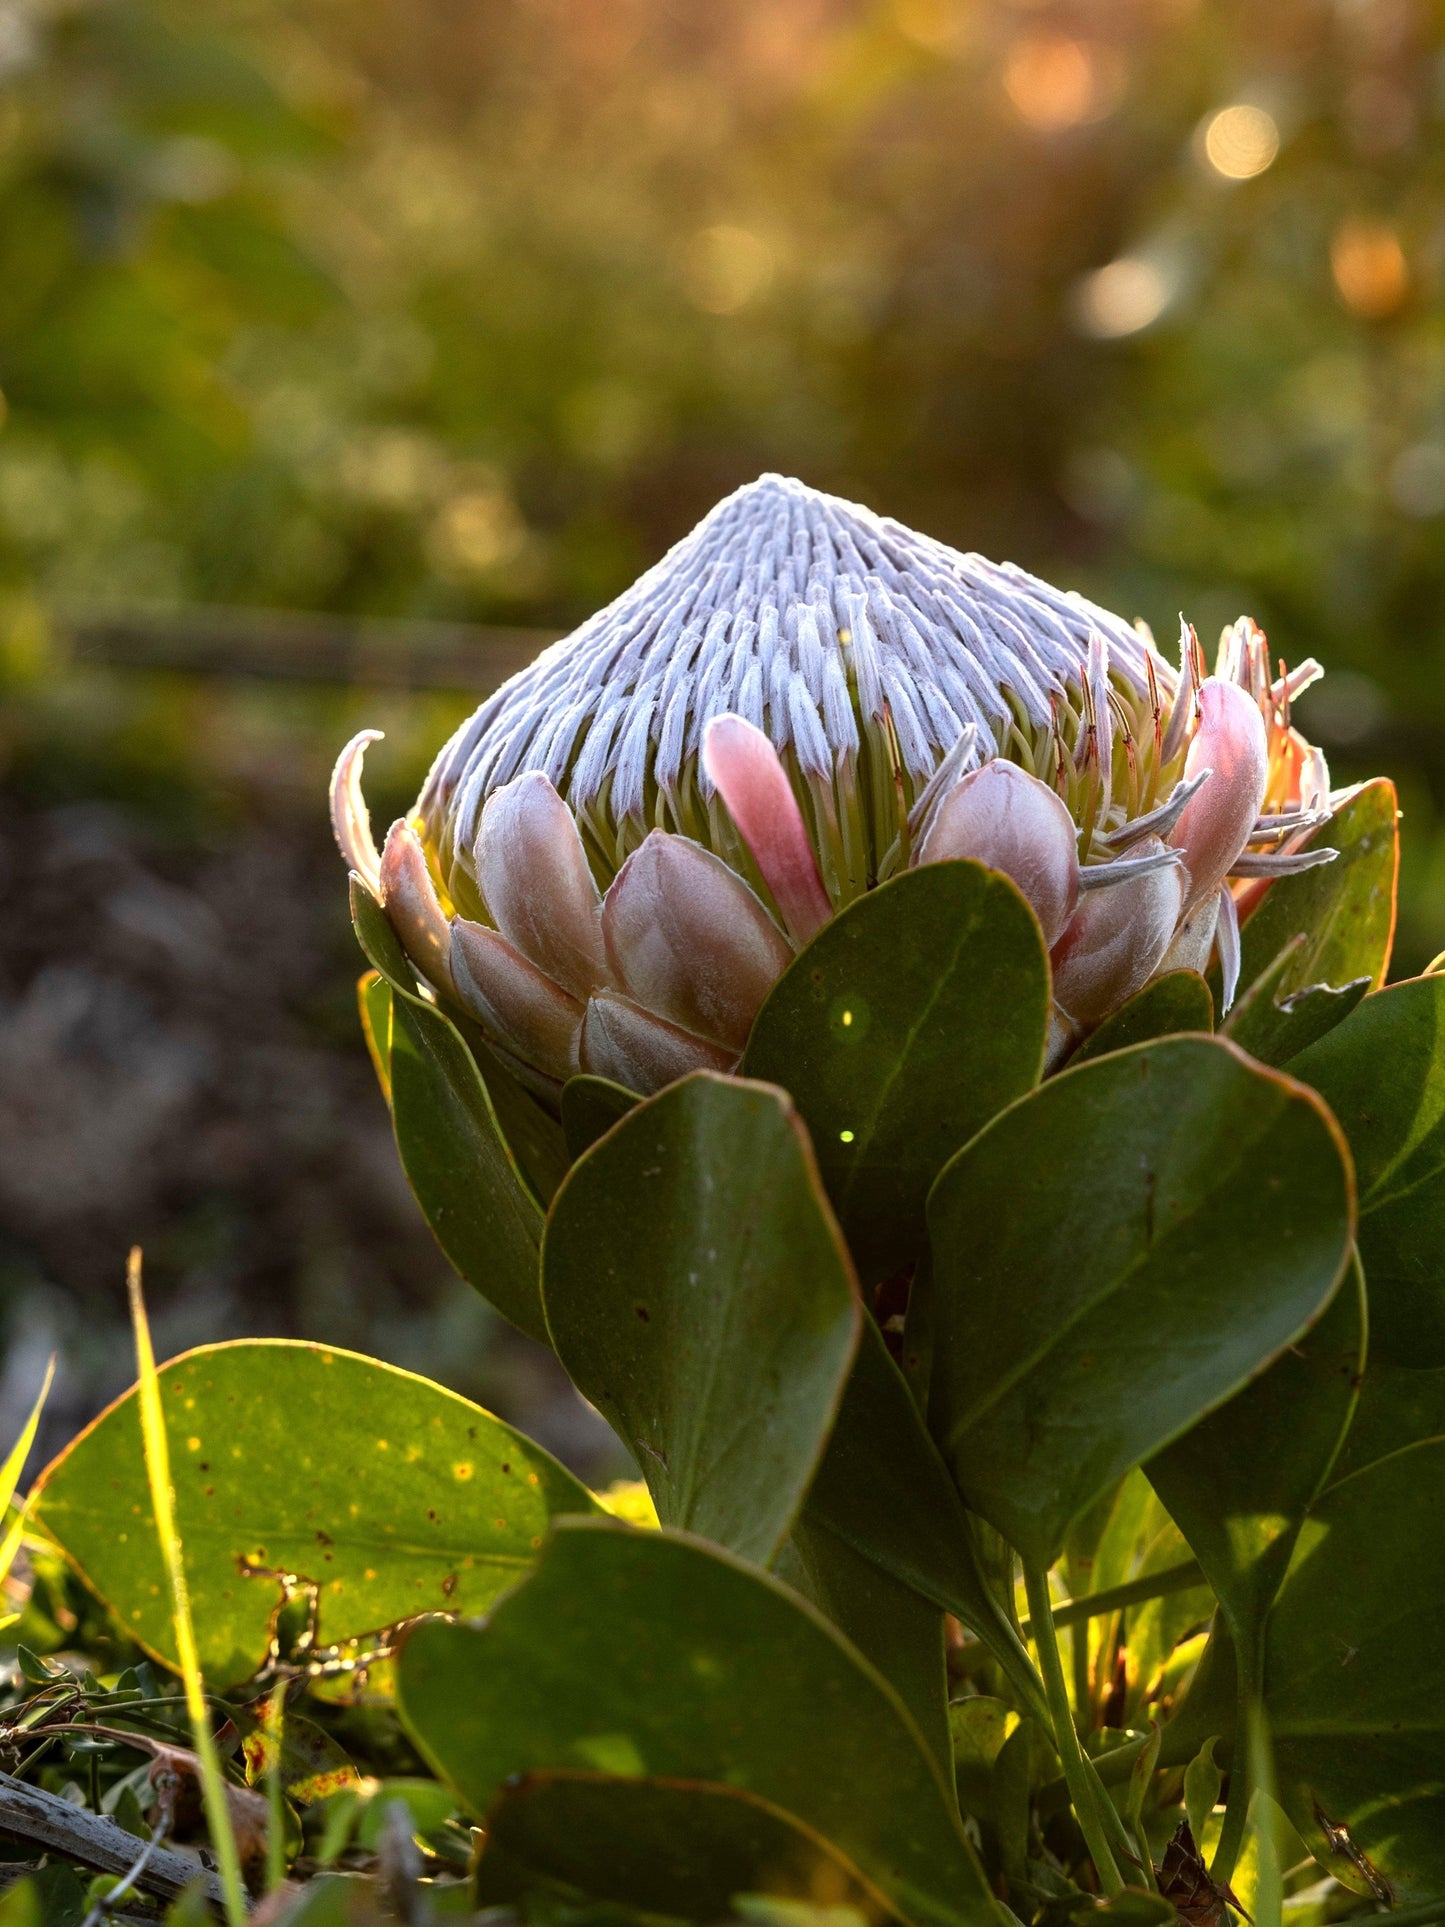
{"type": "Point", "coordinates": [649, 1655]}
{"type": "Point", "coordinates": [590, 1108]}
{"type": "Point", "coordinates": [1113, 1257]}
{"type": "Point", "coordinates": [1238, 1484]}
{"type": "Point", "coordinates": [680, 1848]}
{"type": "Point", "coordinates": [1336, 922]}
{"type": "Point", "coordinates": [909, 1020]}
{"type": "Point", "coordinates": [699, 1293]}
{"type": "Point", "coordinates": [1177, 1001]}
{"type": "Point", "coordinates": [1382, 1073]}
{"type": "Point", "coordinates": [386, 1494]}
{"type": "Point", "coordinates": [1355, 1677]}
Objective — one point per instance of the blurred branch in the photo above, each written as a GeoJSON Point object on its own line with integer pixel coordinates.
{"type": "Point", "coordinates": [282, 645]}
{"type": "Point", "coordinates": [30, 1814]}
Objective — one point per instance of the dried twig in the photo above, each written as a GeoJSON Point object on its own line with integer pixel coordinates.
{"type": "Point", "coordinates": [93, 1840]}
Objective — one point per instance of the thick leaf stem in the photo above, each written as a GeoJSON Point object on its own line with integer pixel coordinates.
{"type": "Point", "coordinates": [1241, 1778]}
{"type": "Point", "coordinates": [1066, 1737]}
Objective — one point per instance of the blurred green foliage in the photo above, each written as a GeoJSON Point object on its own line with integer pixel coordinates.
{"type": "Point", "coordinates": [463, 310]}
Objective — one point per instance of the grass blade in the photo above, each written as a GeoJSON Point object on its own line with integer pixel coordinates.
{"type": "Point", "coordinates": [10, 1475]}
{"type": "Point", "coordinates": [158, 1470]}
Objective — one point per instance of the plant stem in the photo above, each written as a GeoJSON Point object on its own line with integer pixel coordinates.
{"type": "Point", "coordinates": [1241, 1777]}
{"type": "Point", "coordinates": [158, 1471]}
{"type": "Point", "coordinates": [1150, 1585]}
{"type": "Point", "coordinates": [1066, 1737]}
{"type": "Point", "coordinates": [275, 1809]}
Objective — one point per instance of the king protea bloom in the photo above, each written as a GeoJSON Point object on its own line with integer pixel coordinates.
{"type": "Point", "coordinates": [614, 860]}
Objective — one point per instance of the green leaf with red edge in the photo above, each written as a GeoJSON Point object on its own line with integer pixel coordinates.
{"type": "Point", "coordinates": [903, 1027]}
{"type": "Point", "coordinates": [1329, 925]}
{"type": "Point", "coordinates": [1113, 1257]}
{"type": "Point", "coordinates": [457, 1158]}
{"type": "Point", "coordinates": [1178, 1001]}
{"type": "Point", "coordinates": [699, 1292]}
{"type": "Point", "coordinates": [677, 1848]}
{"type": "Point", "coordinates": [652, 1655]}
{"type": "Point", "coordinates": [385, 1494]}
{"type": "Point", "coordinates": [1382, 1072]}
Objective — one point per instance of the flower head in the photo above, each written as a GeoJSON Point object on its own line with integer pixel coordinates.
{"type": "Point", "coordinates": [616, 856]}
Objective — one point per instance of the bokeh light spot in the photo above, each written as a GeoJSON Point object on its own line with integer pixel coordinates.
{"type": "Point", "coordinates": [1055, 83]}
{"type": "Point", "coordinates": [1369, 267]}
{"type": "Point", "coordinates": [725, 268]}
{"type": "Point", "coordinates": [1121, 298]}
{"type": "Point", "coordinates": [1240, 141]}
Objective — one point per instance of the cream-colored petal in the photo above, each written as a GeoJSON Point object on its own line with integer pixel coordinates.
{"type": "Point", "coordinates": [350, 819]}
{"type": "Point", "coordinates": [688, 940]}
{"type": "Point", "coordinates": [1194, 939]}
{"type": "Point", "coordinates": [409, 898]}
{"type": "Point", "coordinates": [537, 885]}
{"type": "Point", "coordinates": [515, 1002]}
{"type": "Point", "coordinates": [630, 1045]}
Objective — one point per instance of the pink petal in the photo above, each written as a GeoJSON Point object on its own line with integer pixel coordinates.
{"type": "Point", "coordinates": [688, 939]}
{"type": "Point", "coordinates": [514, 1002]}
{"type": "Point", "coordinates": [410, 900]}
{"type": "Point", "coordinates": [622, 1041]}
{"type": "Point", "coordinates": [1116, 939]}
{"type": "Point", "coordinates": [1002, 816]}
{"type": "Point", "coordinates": [349, 817]}
{"type": "Point", "coordinates": [1232, 741]}
{"type": "Point", "coordinates": [751, 780]}
{"type": "Point", "coordinates": [537, 884]}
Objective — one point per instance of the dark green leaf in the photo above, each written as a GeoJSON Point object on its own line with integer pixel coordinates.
{"type": "Point", "coordinates": [590, 1108]}
{"type": "Point", "coordinates": [699, 1293]}
{"type": "Point", "coordinates": [1207, 1712]}
{"type": "Point", "coordinates": [463, 1170]}
{"type": "Point", "coordinates": [978, 1728]}
{"type": "Point", "coordinates": [1277, 1029]}
{"type": "Point", "coordinates": [904, 1026]}
{"type": "Point", "coordinates": [883, 1489]}
{"type": "Point", "coordinates": [649, 1655]}
{"type": "Point", "coordinates": [373, 997]}
{"type": "Point", "coordinates": [1177, 1001]}
{"type": "Point", "coordinates": [1344, 911]}
{"type": "Point", "coordinates": [1382, 1072]}
{"type": "Point", "coordinates": [1398, 1407]}
{"type": "Point", "coordinates": [680, 1848]}
{"type": "Point", "coordinates": [1113, 1257]}
{"type": "Point", "coordinates": [1239, 1483]}
{"type": "Point", "coordinates": [460, 1166]}
{"type": "Point", "coordinates": [389, 1495]}
{"type": "Point", "coordinates": [1355, 1675]}
{"type": "Point", "coordinates": [890, 1624]}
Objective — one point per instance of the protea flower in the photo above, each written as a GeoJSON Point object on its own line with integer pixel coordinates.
{"type": "Point", "coordinates": [612, 862]}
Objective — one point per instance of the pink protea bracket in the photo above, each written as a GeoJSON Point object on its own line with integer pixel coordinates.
{"type": "Point", "coordinates": [630, 1045]}
{"type": "Point", "coordinates": [537, 884]}
{"type": "Point", "coordinates": [1116, 939]}
{"type": "Point", "coordinates": [514, 1001]}
{"type": "Point", "coordinates": [409, 898]}
{"type": "Point", "coordinates": [1002, 816]}
{"type": "Point", "coordinates": [1231, 741]}
{"type": "Point", "coordinates": [750, 778]}
{"type": "Point", "coordinates": [688, 940]}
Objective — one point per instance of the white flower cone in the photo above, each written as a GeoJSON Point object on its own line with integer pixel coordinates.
{"type": "Point", "coordinates": [633, 837]}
